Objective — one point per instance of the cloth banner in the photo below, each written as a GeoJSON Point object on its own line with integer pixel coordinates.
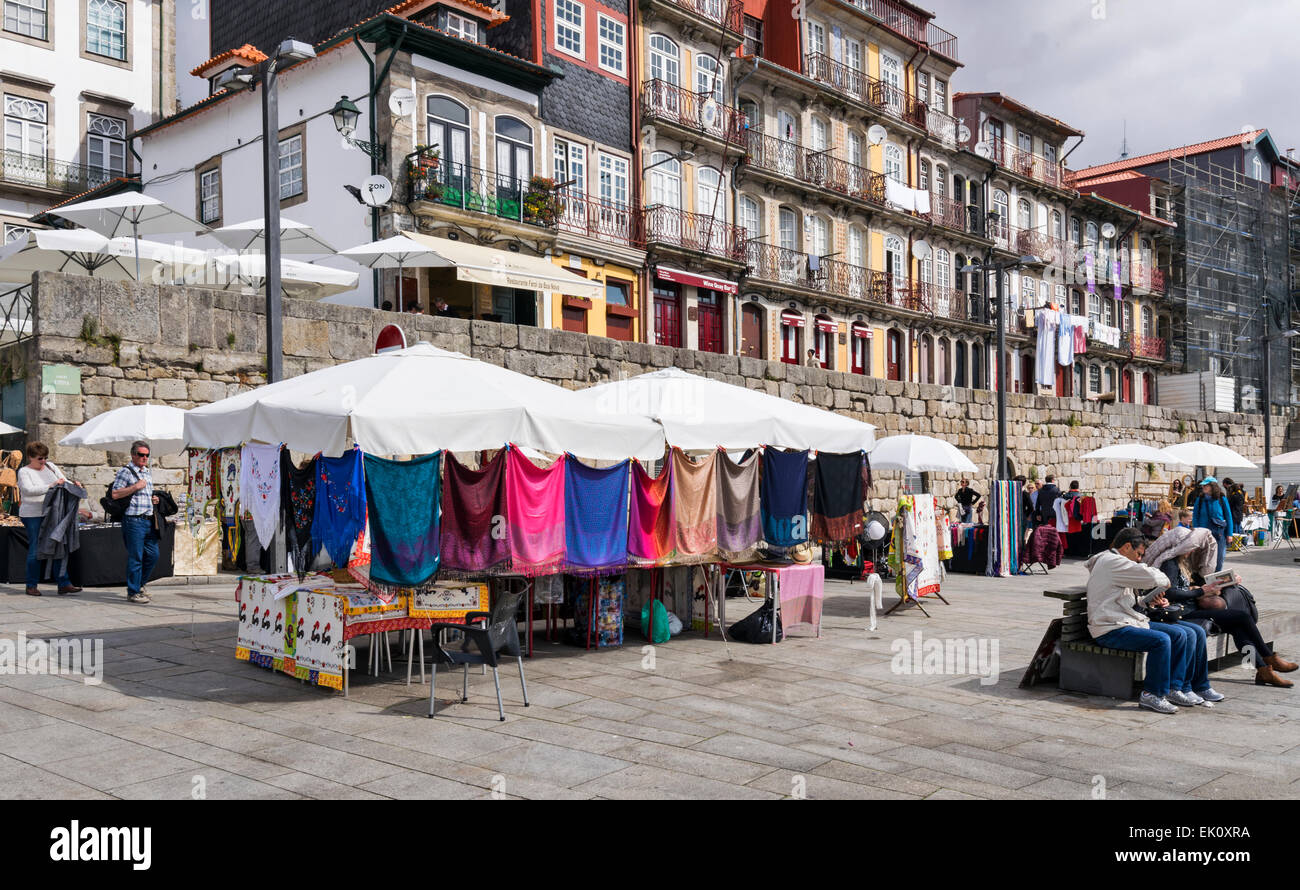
{"type": "Point", "coordinates": [695, 508]}
{"type": "Point", "coordinates": [595, 517]}
{"type": "Point", "coordinates": [918, 547]}
{"type": "Point", "coordinates": [402, 503]}
{"type": "Point", "coordinates": [1005, 500]}
{"type": "Point", "coordinates": [257, 471]}
{"type": "Point", "coordinates": [837, 497]}
{"type": "Point", "coordinates": [475, 535]}
{"type": "Point", "coordinates": [298, 501]}
{"type": "Point", "coordinates": [784, 498]}
{"type": "Point", "coordinates": [651, 532]}
{"type": "Point", "coordinates": [340, 505]}
{"type": "Point", "coordinates": [740, 520]}
{"type": "Point", "coordinates": [197, 553]}
{"type": "Point", "coordinates": [535, 512]}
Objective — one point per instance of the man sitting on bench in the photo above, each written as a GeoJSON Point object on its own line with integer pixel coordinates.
{"type": "Point", "coordinates": [1177, 672]}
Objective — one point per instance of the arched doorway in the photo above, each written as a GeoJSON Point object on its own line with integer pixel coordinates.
{"type": "Point", "coordinates": [861, 346]}
{"type": "Point", "coordinates": [751, 330]}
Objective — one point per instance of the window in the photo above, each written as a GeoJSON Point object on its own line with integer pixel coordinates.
{"type": "Point", "coordinates": [568, 27]}
{"type": "Point", "coordinates": [106, 144]}
{"type": "Point", "coordinates": [1027, 290]}
{"type": "Point", "coordinates": [816, 38]}
{"type": "Point", "coordinates": [708, 77]}
{"type": "Point", "coordinates": [1025, 141]}
{"type": "Point", "coordinates": [787, 229]}
{"type": "Point", "coordinates": [819, 235]}
{"type": "Point", "coordinates": [291, 167]}
{"type": "Point", "coordinates": [1001, 206]}
{"type": "Point", "coordinates": [1024, 215]}
{"type": "Point", "coordinates": [1127, 324]}
{"type": "Point", "coordinates": [853, 57]}
{"type": "Point", "coordinates": [1049, 155]}
{"type": "Point", "coordinates": [1094, 308]}
{"type": "Point", "coordinates": [1092, 235]}
{"type": "Point", "coordinates": [923, 176]}
{"type": "Point", "coordinates": [447, 126]}
{"type": "Point", "coordinates": [1094, 378]}
{"type": "Point", "coordinates": [1146, 321]}
{"type": "Point", "coordinates": [106, 28]}
{"type": "Point", "coordinates": [1076, 302]}
{"type": "Point", "coordinates": [753, 117]}
{"type": "Point", "coordinates": [753, 37]}
{"type": "Point", "coordinates": [854, 143]}
{"type": "Point", "coordinates": [1110, 379]}
{"type": "Point", "coordinates": [210, 196]}
{"type": "Point", "coordinates": [1108, 312]}
{"type": "Point", "coordinates": [894, 162]}
{"type": "Point", "coordinates": [613, 180]}
{"type": "Point", "coordinates": [857, 248]}
{"type": "Point", "coordinates": [1061, 301]}
{"type": "Point", "coordinates": [939, 98]}
{"type": "Point", "coordinates": [940, 180]}
{"type": "Point", "coordinates": [749, 217]}
{"type": "Point", "coordinates": [461, 26]}
{"type": "Point", "coordinates": [664, 56]}
{"type": "Point", "coordinates": [665, 180]}
{"type": "Point", "coordinates": [569, 165]}
{"type": "Point", "coordinates": [25, 129]}
{"type": "Point", "coordinates": [616, 293]}
{"type": "Point", "coordinates": [1076, 232]}
{"type": "Point", "coordinates": [1058, 226]}
{"type": "Point", "coordinates": [514, 152]}
{"type": "Point", "coordinates": [923, 87]}
{"type": "Point", "coordinates": [27, 17]}
{"type": "Point", "coordinates": [611, 36]}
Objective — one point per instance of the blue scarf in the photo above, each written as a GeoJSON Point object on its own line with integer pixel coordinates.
{"type": "Point", "coordinates": [595, 517]}
{"type": "Point", "coordinates": [402, 498]}
{"type": "Point", "coordinates": [783, 493]}
{"type": "Point", "coordinates": [340, 505]}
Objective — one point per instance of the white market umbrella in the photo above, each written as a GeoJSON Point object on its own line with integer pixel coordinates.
{"type": "Point", "coordinates": [1290, 459]}
{"type": "Point", "coordinates": [129, 213]}
{"type": "Point", "coordinates": [162, 426]}
{"type": "Point", "coordinates": [295, 237]}
{"type": "Point", "coordinates": [77, 251]}
{"type": "Point", "coordinates": [415, 401]}
{"type": "Point", "coordinates": [1207, 454]}
{"type": "Point", "coordinates": [919, 454]}
{"type": "Point", "coordinates": [6, 429]}
{"type": "Point", "coordinates": [297, 279]}
{"type": "Point", "coordinates": [1131, 452]}
{"type": "Point", "coordinates": [700, 414]}
{"type": "Point", "coordinates": [396, 252]}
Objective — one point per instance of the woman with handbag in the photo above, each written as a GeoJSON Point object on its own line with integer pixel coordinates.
{"type": "Point", "coordinates": [34, 481]}
{"type": "Point", "coordinates": [1213, 512]}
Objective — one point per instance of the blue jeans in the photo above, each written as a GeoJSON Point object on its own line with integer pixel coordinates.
{"type": "Point", "coordinates": [1168, 648]}
{"type": "Point", "coordinates": [141, 551]}
{"type": "Point", "coordinates": [1198, 671]}
{"type": "Point", "coordinates": [59, 570]}
{"type": "Point", "coordinates": [1220, 538]}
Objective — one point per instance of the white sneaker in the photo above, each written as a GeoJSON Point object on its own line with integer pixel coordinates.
{"type": "Point", "coordinates": [1153, 703]}
{"type": "Point", "coordinates": [1186, 699]}
{"type": "Point", "coordinates": [1210, 695]}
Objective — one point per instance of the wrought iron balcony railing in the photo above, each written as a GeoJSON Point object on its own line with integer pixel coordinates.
{"type": "Point", "coordinates": [909, 24]}
{"type": "Point", "coordinates": [853, 83]}
{"type": "Point", "coordinates": [482, 191]}
{"type": "Point", "coordinates": [727, 13]}
{"type": "Point", "coordinates": [1146, 347]}
{"type": "Point", "coordinates": [599, 219]}
{"type": "Point", "coordinates": [816, 168]}
{"type": "Point", "coordinates": [950, 213]}
{"type": "Point", "coordinates": [942, 127]}
{"type": "Point", "coordinates": [58, 176]}
{"type": "Point", "coordinates": [694, 111]}
{"type": "Point", "coordinates": [829, 276]}
{"type": "Point", "coordinates": [694, 231]}
{"type": "Point", "coordinates": [1028, 164]}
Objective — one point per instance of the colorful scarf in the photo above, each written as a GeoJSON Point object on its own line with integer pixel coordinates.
{"type": "Point", "coordinates": [595, 518]}
{"type": "Point", "coordinates": [650, 532]}
{"type": "Point", "coordinates": [475, 536]}
{"type": "Point", "coordinates": [201, 488]}
{"type": "Point", "coordinates": [258, 487]}
{"type": "Point", "coordinates": [784, 487]}
{"type": "Point", "coordinates": [340, 505]}
{"type": "Point", "coordinates": [695, 508]}
{"type": "Point", "coordinates": [535, 508]}
{"type": "Point", "coordinates": [402, 502]}
{"type": "Point", "coordinates": [298, 501]}
{"type": "Point", "coordinates": [229, 480]}
{"type": "Point", "coordinates": [1005, 501]}
{"type": "Point", "coordinates": [837, 497]}
{"type": "Point", "coordinates": [740, 523]}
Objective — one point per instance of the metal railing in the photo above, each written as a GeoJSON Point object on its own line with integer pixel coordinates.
{"type": "Point", "coordinates": [817, 168]}
{"type": "Point", "coordinates": [15, 314]}
{"type": "Point", "coordinates": [907, 23]}
{"type": "Point", "coordinates": [1146, 347]}
{"type": "Point", "coordinates": [1149, 279]}
{"type": "Point", "coordinates": [482, 191]}
{"type": "Point", "coordinates": [1028, 164]}
{"type": "Point", "coordinates": [948, 302]}
{"type": "Point", "coordinates": [942, 128]}
{"type": "Point", "coordinates": [1052, 250]}
{"type": "Point", "coordinates": [694, 231]}
{"type": "Point", "coordinates": [59, 176]}
{"type": "Point", "coordinates": [727, 13]}
{"type": "Point", "coordinates": [694, 111]}
{"type": "Point", "coordinates": [833, 277]}
{"type": "Point", "coordinates": [949, 212]}
{"type": "Point", "coordinates": [855, 84]}
{"type": "Point", "coordinates": [599, 219]}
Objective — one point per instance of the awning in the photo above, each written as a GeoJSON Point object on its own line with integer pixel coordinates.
{"type": "Point", "coordinates": [488, 265]}
{"type": "Point", "coordinates": [825, 324]}
{"type": "Point", "coordinates": [677, 276]}
{"type": "Point", "coordinates": [861, 331]}
{"type": "Point", "coordinates": [793, 319]}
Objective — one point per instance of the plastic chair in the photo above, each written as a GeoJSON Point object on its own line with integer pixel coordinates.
{"type": "Point", "coordinates": [488, 635]}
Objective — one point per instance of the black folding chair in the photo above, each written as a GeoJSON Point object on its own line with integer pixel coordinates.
{"type": "Point", "coordinates": [488, 636]}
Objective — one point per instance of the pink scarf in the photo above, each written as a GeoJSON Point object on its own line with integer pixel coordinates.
{"type": "Point", "coordinates": [535, 510]}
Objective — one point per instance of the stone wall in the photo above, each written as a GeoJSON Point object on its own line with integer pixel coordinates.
{"type": "Point", "coordinates": [186, 347]}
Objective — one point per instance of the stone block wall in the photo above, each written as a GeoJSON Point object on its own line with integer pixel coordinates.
{"type": "Point", "coordinates": [187, 347]}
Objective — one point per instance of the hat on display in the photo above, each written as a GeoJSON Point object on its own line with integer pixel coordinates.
{"type": "Point", "coordinates": [1208, 479]}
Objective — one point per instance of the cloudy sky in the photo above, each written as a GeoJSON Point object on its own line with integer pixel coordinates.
{"type": "Point", "coordinates": [1179, 71]}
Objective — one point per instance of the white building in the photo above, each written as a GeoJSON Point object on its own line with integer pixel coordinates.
{"type": "Point", "coordinates": [76, 77]}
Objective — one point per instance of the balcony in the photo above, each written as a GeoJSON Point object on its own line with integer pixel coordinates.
{"type": "Point", "coordinates": [1028, 164]}
{"type": "Point", "coordinates": [724, 13]}
{"type": "Point", "coordinates": [697, 112]}
{"type": "Point", "coordinates": [950, 303]}
{"type": "Point", "coordinates": [942, 128]}
{"type": "Point", "coordinates": [1151, 280]}
{"type": "Point", "coordinates": [695, 232]}
{"type": "Point", "coordinates": [38, 171]}
{"type": "Point", "coordinates": [1146, 347]}
{"type": "Point", "coordinates": [908, 24]}
{"type": "Point", "coordinates": [828, 276]}
{"type": "Point", "coordinates": [884, 97]}
{"type": "Point", "coordinates": [480, 191]}
{"type": "Point", "coordinates": [1053, 251]}
{"type": "Point", "coordinates": [598, 219]}
{"type": "Point", "coordinates": [820, 169]}
{"type": "Point", "coordinates": [950, 213]}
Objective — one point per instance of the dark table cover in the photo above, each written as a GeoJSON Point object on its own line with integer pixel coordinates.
{"type": "Point", "coordinates": [100, 561]}
{"type": "Point", "coordinates": [967, 558]}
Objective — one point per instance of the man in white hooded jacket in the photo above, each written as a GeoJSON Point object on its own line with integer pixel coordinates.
{"type": "Point", "coordinates": [1176, 671]}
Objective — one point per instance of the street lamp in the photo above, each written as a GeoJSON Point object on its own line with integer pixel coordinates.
{"type": "Point", "coordinates": [997, 269]}
{"type": "Point", "coordinates": [1267, 340]}
{"type": "Point", "coordinates": [345, 114]}
{"type": "Point", "coordinates": [247, 78]}
{"type": "Point", "coordinates": [682, 155]}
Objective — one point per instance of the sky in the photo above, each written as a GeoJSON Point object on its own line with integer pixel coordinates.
{"type": "Point", "coordinates": [1178, 71]}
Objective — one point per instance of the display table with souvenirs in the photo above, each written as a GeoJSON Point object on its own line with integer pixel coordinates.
{"type": "Point", "coordinates": [100, 560]}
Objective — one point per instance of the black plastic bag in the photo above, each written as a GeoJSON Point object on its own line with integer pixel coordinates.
{"type": "Point", "coordinates": [757, 628]}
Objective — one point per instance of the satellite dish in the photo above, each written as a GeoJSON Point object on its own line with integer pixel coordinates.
{"type": "Point", "coordinates": [376, 190]}
{"type": "Point", "coordinates": [877, 134]}
{"type": "Point", "coordinates": [983, 150]}
{"type": "Point", "coordinates": [709, 113]}
{"type": "Point", "coordinates": [401, 102]}
{"type": "Point", "coordinates": [921, 249]}
{"type": "Point", "coordinates": [1108, 230]}
{"type": "Point", "coordinates": [963, 131]}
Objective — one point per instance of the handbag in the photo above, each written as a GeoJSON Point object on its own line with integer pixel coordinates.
{"type": "Point", "coordinates": [1236, 596]}
{"type": "Point", "coordinates": [1170, 614]}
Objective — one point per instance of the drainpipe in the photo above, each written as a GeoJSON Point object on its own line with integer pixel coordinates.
{"type": "Point", "coordinates": [373, 87]}
{"type": "Point", "coordinates": [633, 82]}
{"type": "Point", "coordinates": [1071, 151]}
{"type": "Point", "coordinates": [162, 11]}
{"type": "Point", "coordinates": [735, 210]}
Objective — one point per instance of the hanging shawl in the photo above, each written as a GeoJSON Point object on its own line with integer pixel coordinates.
{"type": "Point", "coordinates": [340, 505]}
{"type": "Point", "coordinates": [475, 536]}
{"type": "Point", "coordinates": [595, 518]}
{"type": "Point", "coordinates": [259, 488]}
{"type": "Point", "coordinates": [201, 487]}
{"type": "Point", "coordinates": [837, 497]}
{"type": "Point", "coordinates": [740, 523]}
{"type": "Point", "coordinates": [298, 501]}
{"type": "Point", "coordinates": [784, 487]}
{"type": "Point", "coordinates": [695, 508]}
{"type": "Point", "coordinates": [535, 507]}
{"type": "Point", "coordinates": [230, 480]}
{"type": "Point", "coordinates": [651, 528]}
{"type": "Point", "coordinates": [402, 502]}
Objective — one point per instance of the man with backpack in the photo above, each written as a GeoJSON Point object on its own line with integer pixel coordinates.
{"type": "Point", "coordinates": [134, 485]}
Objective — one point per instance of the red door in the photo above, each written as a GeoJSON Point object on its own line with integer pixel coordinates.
{"type": "Point", "coordinates": [1064, 381]}
{"type": "Point", "coordinates": [751, 330]}
{"type": "Point", "coordinates": [710, 322]}
{"type": "Point", "coordinates": [1027, 373]}
{"type": "Point", "coordinates": [1148, 389]}
{"type": "Point", "coordinates": [668, 317]}
{"type": "Point", "coordinates": [894, 355]}
{"type": "Point", "coordinates": [1126, 392]}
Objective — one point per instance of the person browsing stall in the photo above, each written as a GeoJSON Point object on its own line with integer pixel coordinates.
{"type": "Point", "coordinates": [135, 481]}
{"type": "Point", "coordinates": [966, 498]}
{"type": "Point", "coordinates": [1212, 511]}
{"type": "Point", "coordinates": [34, 481]}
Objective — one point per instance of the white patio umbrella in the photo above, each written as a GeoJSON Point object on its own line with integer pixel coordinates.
{"type": "Point", "coordinates": [129, 213]}
{"type": "Point", "coordinates": [297, 279]}
{"type": "Point", "coordinates": [919, 454]}
{"type": "Point", "coordinates": [295, 237]}
{"type": "Point", "coordinates": [1131, 452]}
{"type": "Point", "coordinates": [6, 429]}
{"type": "Point", "coordinates": [1207, 454]}
{"type": "Point", "coordinates": [1290, 459]}
{"type": "Point", "coordinates": [162, 426]}
{"type": "Point", "coordinates": [700, 414]}
{"type": "Point", "coordinates": [415, 401]}
{"type": "Point", "coordinates": [396, 252]}
{"type": "Point", "coordinates": [78, 251]}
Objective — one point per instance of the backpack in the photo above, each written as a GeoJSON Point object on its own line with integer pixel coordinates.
{"type": "Point", "coordinates": [115, 508]}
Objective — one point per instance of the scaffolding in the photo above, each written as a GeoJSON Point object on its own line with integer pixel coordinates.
{"type": "Point", "coordinates": [1231, 270]}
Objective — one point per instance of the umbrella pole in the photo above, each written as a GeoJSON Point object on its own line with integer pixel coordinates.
{"type": "Point", "coordinates": [135, 236]}
{"type": "Point", "coordinates": [399, 285]}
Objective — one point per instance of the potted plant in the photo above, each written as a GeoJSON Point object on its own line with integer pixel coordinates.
{"type": "Point", "coordinates": [541, 204]}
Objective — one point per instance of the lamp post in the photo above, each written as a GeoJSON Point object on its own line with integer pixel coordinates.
{"type": "Point", "coordinates": [1266, 392]}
